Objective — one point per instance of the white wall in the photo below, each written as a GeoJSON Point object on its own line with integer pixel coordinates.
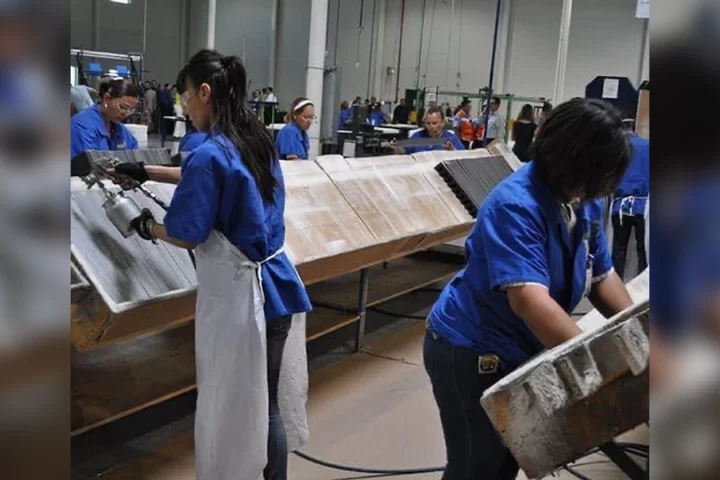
{"type": "Point", "coordinates": [605, 39]}
{"type": "Point", "coordinates": [534, 36]}
{"type": "Point", "coordinates": [197, 33]}
{"type": "Point", "coordinates": [292, 50]}
{"type": "Point", "coordinates": [244, 27]}
{"type": "Point", "coordinates": [450, 45]}
{"type": "Point", "coordinates": [354, 58]}
{"type": "Point", "coordinates": [121, 31]}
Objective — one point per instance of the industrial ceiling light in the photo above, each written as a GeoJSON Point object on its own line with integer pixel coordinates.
{"type": "Point", "coordinates": [123, 2]}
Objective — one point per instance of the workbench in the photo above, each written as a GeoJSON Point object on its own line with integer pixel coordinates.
{"type": "Point", "coordinates": [358, 231]}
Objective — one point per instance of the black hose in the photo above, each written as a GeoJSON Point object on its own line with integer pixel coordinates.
{"type": "Point", "coordinates": [335, 466]}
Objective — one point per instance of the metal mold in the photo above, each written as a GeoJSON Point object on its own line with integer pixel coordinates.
{"type": "Point", "coordinates": [579, 395]}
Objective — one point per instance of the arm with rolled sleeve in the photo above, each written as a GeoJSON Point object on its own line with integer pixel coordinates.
{"type": "Point", "coordinates": [195, 203]}
{"type": "Point", "coordinates": [515, 239]}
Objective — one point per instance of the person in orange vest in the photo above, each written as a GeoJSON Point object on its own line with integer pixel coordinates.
{"type": "Point", "coordinates": [463, 123]}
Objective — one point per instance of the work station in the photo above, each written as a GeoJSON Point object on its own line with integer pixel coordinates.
{"type": "Point", "coordinates": [327, 239]}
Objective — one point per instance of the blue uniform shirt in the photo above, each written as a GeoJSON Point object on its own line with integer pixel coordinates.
{"type": "Point", "coordinates": [520, 237]}
{"type": "Point", "coordinates": [345, 115]}
{"type": "Point", "coordinates": [218, 192]}
{"type": "Point", "coordinates": [632, 194]}
{"type": "Point", "coordinates": [192, 140]}
{"type": "Point", "coordinates": [88, 132]}
{"type": "Point", "coordinates": [292, 140]}
{"type": "Point", "coordinates": [376, 119]}
{"type": "Point", "coordinates": [426, 148]}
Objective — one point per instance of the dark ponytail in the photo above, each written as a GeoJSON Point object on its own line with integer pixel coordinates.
{"type": "Point", "coordinates": [228, 82]}
{"type": "Point", "coordinates": [118, 88]}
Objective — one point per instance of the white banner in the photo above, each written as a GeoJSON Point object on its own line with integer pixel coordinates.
{"type": "Point", "coordinates": [643, 9]}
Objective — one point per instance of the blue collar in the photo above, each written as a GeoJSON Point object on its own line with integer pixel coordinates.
{"type": "Point", "coordinates": [114, 127]}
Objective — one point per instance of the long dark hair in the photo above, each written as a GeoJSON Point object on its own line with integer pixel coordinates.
{"type": "Point", "coordinates": [233, 118]}
{"type": "Point", "coordinates": [526, 113]}
{"type": "Point", "coordinates": [582, 146]}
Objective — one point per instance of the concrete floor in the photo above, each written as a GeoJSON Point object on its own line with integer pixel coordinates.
{"type": "Point", "coordinates": [371, 410]}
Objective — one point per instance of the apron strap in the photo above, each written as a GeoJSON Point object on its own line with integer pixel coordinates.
{"type": "Point", "coordinates": [258, 270]}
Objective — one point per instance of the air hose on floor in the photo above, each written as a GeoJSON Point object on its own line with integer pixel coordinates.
{"type": "Point", "coordinates": [633, 448]}
{"type": "Point", "coordinates": [335, 466]}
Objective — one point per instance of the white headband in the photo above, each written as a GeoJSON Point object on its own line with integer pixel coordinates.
{"type": "Point", "coordinates": [302, 104]}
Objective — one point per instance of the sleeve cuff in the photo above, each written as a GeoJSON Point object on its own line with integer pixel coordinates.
{"type": "Point", "coordinates": [603, 276]}
{"type": "Point", "coordinates": [510, 285]}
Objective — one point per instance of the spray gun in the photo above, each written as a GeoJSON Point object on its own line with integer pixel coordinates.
{"type": "Point", "coordinates": [120, 209]}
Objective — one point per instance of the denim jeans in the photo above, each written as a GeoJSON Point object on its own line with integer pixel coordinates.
{"type": "Point", "coordinates": [474, 449]}
{"type": "Point", "coordinates": [277, 332]}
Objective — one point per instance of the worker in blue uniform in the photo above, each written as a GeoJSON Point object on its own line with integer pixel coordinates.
{"type": "Point", "coordinates": [536, 249]}
{"type": "Point", "coordinates": [100, 126]}
{"type": "Point", "coordinates": [434, 128]}
{"type": "Point", "coordinates": [377, 117]}
{"type": "Point", "coordinates": [346, 113]}
{"type": "Point", "coordinates": [229, 207]}
{"type": "Point", "coordinates": [629, 205]}
{"type": "Point", "coordinates": [292, 142]}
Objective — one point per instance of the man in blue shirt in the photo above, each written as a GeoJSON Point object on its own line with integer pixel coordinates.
{"type": "Point", "coordinates": [434, 128]}
{"type": "Point", "coordinates": [537, 249]}
{"type": "Point", "coordinates": [629, 206]}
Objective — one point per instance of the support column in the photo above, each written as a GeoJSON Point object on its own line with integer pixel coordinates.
{"type": "Point", "coordinates": [644, 56]}
{"type": "Point", "coordinates": [184, 32]}
{"type": "Point", "coordinates": [562, 51]}
{"type": "Point", "coordinates": [211, 24]}
{"type": "Point", "coordinates": [502, 79]}
{"type": "Point", "coordinates": [316, 67]}
{"type": "Point", "coordinates": [379, 75]}
{"type": "Point", "coordinates": [96, 25]}
{"type": "Point", "coordinates": [274, 28]}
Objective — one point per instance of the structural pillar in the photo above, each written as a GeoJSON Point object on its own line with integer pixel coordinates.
{"type": "Point", "coordinates": [96, 25]}
{"type": "Point", "coordinates": [643, 67]}
{"type": "Point", "coordinates": [316, 67]}
{"type": "Point", "coordinates": [211, 24]}
{"type": "Point", "coordinates": [562, 51]}
{"type": "Point", "coordinates": [502, 77]}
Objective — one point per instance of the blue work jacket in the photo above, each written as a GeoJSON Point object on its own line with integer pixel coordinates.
{"type": "Point", "coordinates": [217, 191]}
{"type": "Point", "coordinates": [292, 140]}
{"type": "Point", "coordinates": [409, 150]}
{"type": "Point", "coordinates": [88, 132]}
{"type": "Point", "coordinates": [520, 237]}
{"type": "Point", "coordinates": [632, 194]}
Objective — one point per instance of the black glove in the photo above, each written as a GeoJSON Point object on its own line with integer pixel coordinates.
{"type": "Point", "coordinates": [144, 224]}
{"type": "Point", "coordinates": [136, 171]}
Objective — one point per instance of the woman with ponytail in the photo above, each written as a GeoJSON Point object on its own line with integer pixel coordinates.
{"type": "Point", "coordinates": [292, 141]}
{"type": "Point", "coordinates": [229, 206]}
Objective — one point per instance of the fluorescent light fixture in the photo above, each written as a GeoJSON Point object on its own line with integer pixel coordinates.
{"type": "Point", "coordinates": [123, 2]}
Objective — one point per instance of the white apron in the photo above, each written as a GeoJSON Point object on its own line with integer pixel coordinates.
{"type": "Point", "coordinates": [231, 421]}
{"type": "Point", "coordinates": [180, 128]}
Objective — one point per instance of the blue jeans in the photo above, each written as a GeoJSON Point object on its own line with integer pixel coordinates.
{"type": "Point", "coordinates": [277, 332]}
{"type": "Point", "coordinates": [474, 449]}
